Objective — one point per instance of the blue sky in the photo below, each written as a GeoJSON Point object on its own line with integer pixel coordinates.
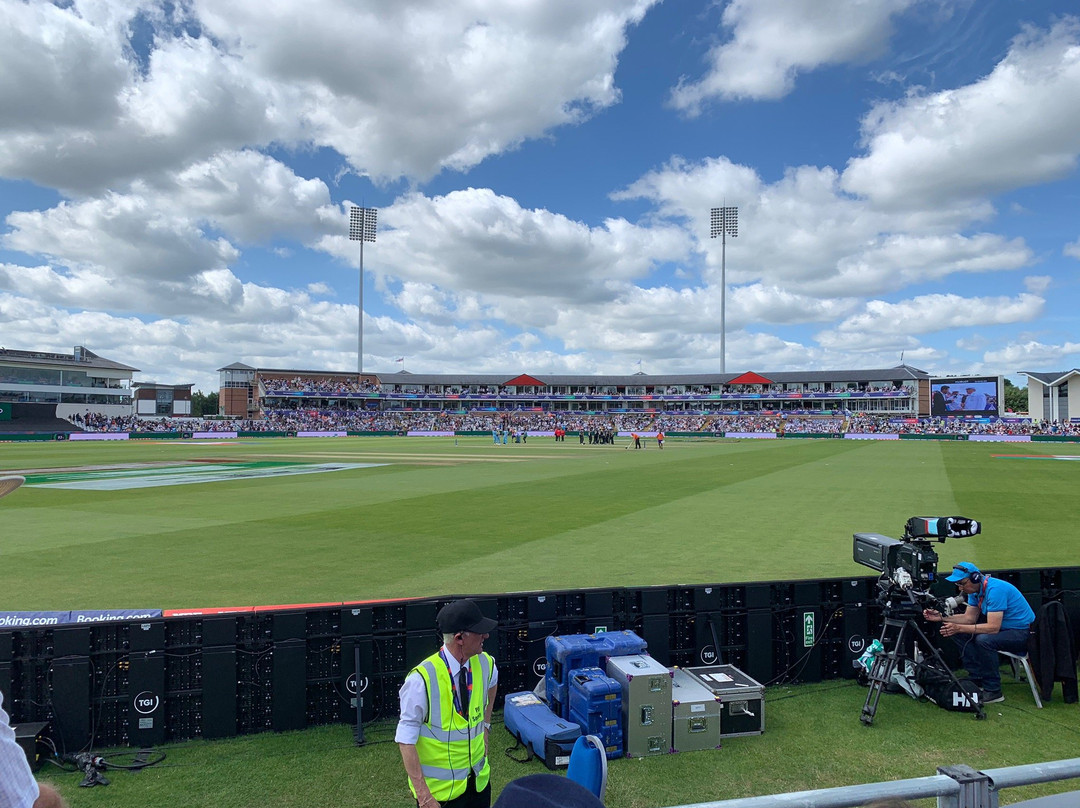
{"type": "Point", "coordinates": [175, 182]}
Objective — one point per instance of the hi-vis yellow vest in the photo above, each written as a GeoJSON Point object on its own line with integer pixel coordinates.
{"type": "Point", "coordinates": [449, 744]}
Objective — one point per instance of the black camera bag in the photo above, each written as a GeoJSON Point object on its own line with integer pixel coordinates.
{"type": "Point", "coordinates": [945, 691]}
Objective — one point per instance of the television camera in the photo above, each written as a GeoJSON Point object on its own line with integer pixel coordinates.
{"type": "Point", "coordinates": [908, 568]}
{"type": "Point", "coordinates": [908, 565]}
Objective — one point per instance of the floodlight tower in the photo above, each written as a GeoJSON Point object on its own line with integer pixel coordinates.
{"type": "Point", "coordinates": [361, 228]}
{"type": "Point", "coordinates": [724, 223]}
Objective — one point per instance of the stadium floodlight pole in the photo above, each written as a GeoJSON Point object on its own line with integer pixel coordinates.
{"type": "Point", "coordinates": [724, 222]}
{"type": "Point", "coordinates": [361, 228]}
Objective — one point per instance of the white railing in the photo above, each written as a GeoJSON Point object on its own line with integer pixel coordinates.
{"type": "Point", "coordinates": [954, 786]}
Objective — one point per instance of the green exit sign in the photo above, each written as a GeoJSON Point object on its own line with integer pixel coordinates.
{"type": "Point", "coordinates": [808, 629]}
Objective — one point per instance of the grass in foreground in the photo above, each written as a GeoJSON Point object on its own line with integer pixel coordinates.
{"type": "Point", "coordinates": [813, 740]}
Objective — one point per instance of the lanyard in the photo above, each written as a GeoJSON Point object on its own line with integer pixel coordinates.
{"type": "Point", "coordinates": [461, 700]}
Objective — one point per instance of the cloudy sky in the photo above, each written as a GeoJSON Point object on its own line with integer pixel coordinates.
{"type": "Point", "coordinates": [175, 181]}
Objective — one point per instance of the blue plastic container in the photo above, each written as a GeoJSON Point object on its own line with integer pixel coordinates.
{"type": "Point", "coordinates": [593, 691]}
{"type": "Point", "coordinates": [572, 651]}
{"type": "Point", "coordinates": [625, 643]}
{"type": "Point", "coordinates": [558, 697]}
{"type": "Point", "coordinates": [609, 733]}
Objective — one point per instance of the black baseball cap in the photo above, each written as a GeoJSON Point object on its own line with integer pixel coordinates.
{"type": "Point", "coordinates": [546, 791]}
{"type": "Point", "coordinates": [464, 615]}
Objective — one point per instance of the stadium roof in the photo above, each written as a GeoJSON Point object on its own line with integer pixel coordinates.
{"type": "Point", "coordinates": [523, 378]}
{"type": "Point", "coordinates": [750, 378]}
{"type": "Point", "coordinates": [899, 373]}
{"type": "Point", "coordinates": [82, 357]}
{"type": "Point", "coordinates": [1051, 379]}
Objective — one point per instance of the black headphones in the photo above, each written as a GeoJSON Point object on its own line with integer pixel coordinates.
{"type": "Point", "coordinates": [975, 577]}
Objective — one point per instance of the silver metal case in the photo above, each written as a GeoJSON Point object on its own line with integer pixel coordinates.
{"type": "Point", "coordinates": [695, 714]}
{"type": "Point", "coordinates": [646, 711]}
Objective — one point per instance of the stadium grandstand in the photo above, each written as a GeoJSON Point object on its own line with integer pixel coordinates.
{"type": "Point", "coordinates": [248, 392]}
{"type": "Point", "coordinates": [42, 391]}
{"type": "Point", "coordinates": [81, 391]}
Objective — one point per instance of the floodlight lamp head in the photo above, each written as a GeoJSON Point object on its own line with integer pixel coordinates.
{"type": "Point", "coordinates": [723, 221]}
{"type": "Point", "coordinates": [362, 223]}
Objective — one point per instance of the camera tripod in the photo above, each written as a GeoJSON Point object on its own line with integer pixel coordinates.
{"type": "Point", "coordinates": [894, 638]}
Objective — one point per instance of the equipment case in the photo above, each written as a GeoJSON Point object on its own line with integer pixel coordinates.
{"type": "Point", "coordinates": [695, 714]}
{"type": "Point", "coordinates": [624, 643]}
{"type": "Point", "coordinates": [596, 705]}
{"type": "Point", "coordinates": [547, 736]}
{"type": "Point", "coordinates": [742, 699]}
{"type": "Point", "coordinates": [571, 651]}
{"type": "Point", "coordinates": [568, 652]}
{"type": "Point", "coordinates": [593, 691]}
{"type": "Point", "coordinates": [646, 698]}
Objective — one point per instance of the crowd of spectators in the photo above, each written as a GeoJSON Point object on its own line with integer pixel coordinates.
{"type": "Point", "coordinates": [340, 387]}
{"type": "Point", "coordinates": [302, 384]}
{"type": "Point", "coordinates": [955, 426]}
{"type": "Point", "coordinates": [95, 422]}
{"type": "Point", "coordinates": [337, 420]}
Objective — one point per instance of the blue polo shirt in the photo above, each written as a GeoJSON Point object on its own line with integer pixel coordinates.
{"type": "Point", "coordinates": [1001, 596]}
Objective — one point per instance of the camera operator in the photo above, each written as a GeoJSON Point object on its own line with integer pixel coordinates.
{"type": "Point", "coordinates": [1007, 620]}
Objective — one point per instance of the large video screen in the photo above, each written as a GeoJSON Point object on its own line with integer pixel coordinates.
{"type": "Point", "coordinates": [975, 396]}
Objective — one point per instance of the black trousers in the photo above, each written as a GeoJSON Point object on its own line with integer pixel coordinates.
{"type": "Point", "coordinates": [471, 798]}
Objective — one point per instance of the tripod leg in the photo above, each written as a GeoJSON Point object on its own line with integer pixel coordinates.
{"type": "Point", "coordinates": [882, 670]}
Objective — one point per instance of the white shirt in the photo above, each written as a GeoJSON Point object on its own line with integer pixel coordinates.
{"type": "Point", "coordinates": [975, 401]}
{"type": "Point", "coordinates": [18, 788]}
{"type": "Point", "coordinates": [413, 698]}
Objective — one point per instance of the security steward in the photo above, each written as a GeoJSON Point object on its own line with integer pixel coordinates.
{"type": "Point", "coordinates": [446, 704]}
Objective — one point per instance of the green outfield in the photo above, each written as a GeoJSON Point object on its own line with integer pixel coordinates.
{"type": "Point", "coordinates": [167, 524]}
{"type": "Point", "coordinates": [174, 524]}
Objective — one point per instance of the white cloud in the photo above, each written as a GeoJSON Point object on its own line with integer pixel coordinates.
{"type": "Point", "coordinates": [1033, 355]}
{"type": "Point", "coordinates": [147, 245]}
{"type": "Point", "coordinates": [1072, 249]}
{"type": "Point", "coordinates": [928, 314]}
{"type": "Point", "coordinates": [758, 303]}
{"type": "Point", "coordinates": [59, 69]}
{"type": "Point", "coordinates": [772, 41]}
{"type": "Point", "coordinates": [130, 234]}
{"type": "Point", "coordinates": [811, 238]}
{"type": "Point", "coordinates": [1038, 284]}
{"type": "Point", "coordinates": [977, 140]}
{"type": "Point", "coordinates": [401, 89]}
{"type": "Point", "coordinates": [475, 241]}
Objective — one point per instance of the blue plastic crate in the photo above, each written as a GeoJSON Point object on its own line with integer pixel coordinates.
{"type": "Point", "coordinates": [610, 735]}
{"type": "Point", "coordinates": [625, 643]}
{"type": "Point", "coordinates": [593, 691]}
{"type": "Point", "coordinates": [572, 651]}
{"type": "Point", "coordinates": [558, 697]}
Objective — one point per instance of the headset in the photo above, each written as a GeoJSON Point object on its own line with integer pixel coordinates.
{"type": "Point", "coordinates": [974, 577]}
